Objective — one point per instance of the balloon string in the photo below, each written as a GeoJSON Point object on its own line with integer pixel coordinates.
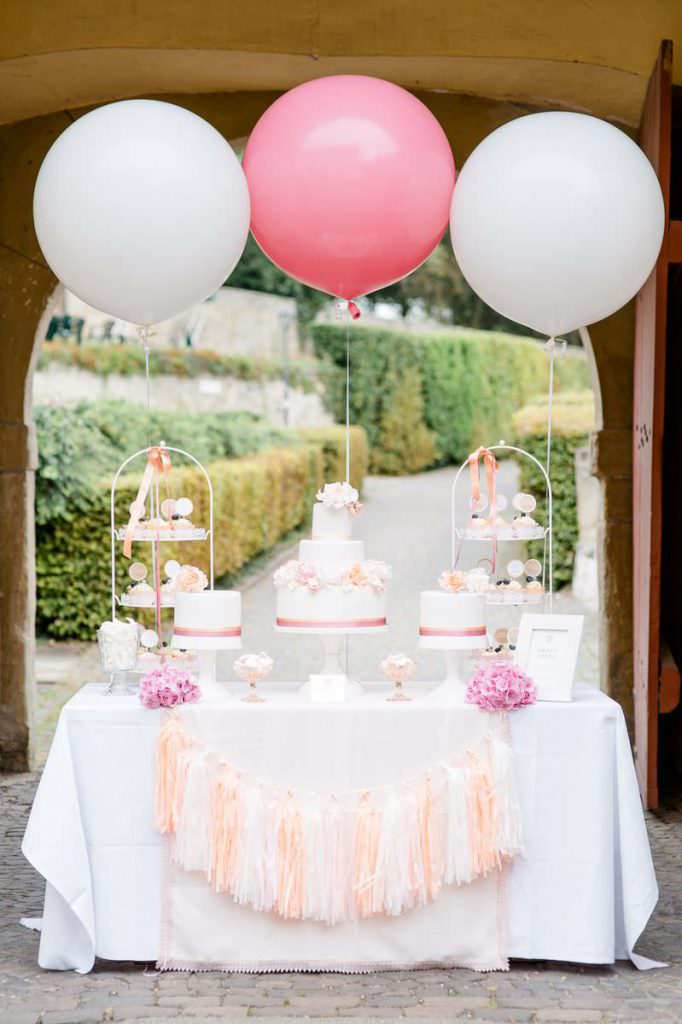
{"type": "Point", "coordinates": [551, 345]}
{"type": "Point", "coordinates": [348, 319]}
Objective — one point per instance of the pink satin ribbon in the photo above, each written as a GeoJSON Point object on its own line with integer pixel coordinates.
{"type": "Point", "coordinates": [471, 631]}
{"type": "Point", "coordinates": [203, 632]}
{"type": "Point", "coordinates": [332, 624]}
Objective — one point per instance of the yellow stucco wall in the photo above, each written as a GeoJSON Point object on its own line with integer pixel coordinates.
{"type": "Point", "coordinates": [70, 53]}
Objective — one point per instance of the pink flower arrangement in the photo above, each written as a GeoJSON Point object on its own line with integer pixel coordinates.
{"type": "Point", "coordinates": [500, 686]}
{"type": "Point", "coordinates": [166, 686]}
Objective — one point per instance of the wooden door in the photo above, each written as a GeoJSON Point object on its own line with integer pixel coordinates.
{"type": "Point", "coordinates": [648, 418]}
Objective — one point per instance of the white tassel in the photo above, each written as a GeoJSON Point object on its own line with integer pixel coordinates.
{"type": "Point", "coordinates": [391, 892]}
{"type": "Point", "coordinates": [415, 886]}
{"type": "Point", "coordinates": [252, 883]}
{"type": "Point", "coordinates": [338, 902]}
{"type": "Point", "coordinates": [507, 808]}
{"type": "Point", "coordinates": [193, 833]}
{"type": "Point", "coordinates": [457, 851]}
{"type": "Point", "coordinates": [314, 896]}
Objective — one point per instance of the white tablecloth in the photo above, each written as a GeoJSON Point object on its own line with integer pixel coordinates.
{"type": "Point", "coordinates": [583, 892]}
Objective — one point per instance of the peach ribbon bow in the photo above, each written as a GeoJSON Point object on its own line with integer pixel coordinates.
{"type": "Point", "coordinates": [490, 463]}
{"type": "Point", "coordinates": [158, 459]}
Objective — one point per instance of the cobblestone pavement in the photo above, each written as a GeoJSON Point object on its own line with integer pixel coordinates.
{"type": "Point", "coordinates": [537, 992]}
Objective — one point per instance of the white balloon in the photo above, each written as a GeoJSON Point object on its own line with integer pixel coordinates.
{"type": "Point", "coordinates": [557, 220]}
{"type": "Point", "coordinates": [141, 209]}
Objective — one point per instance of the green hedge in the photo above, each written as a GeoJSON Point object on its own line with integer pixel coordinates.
{"type": "Point", "coordinates": [258, 498]}
{"type": "Point", "coordinates": [431, 398]}
{"type": "Point", "coordinates": [127, 360]}
{"type": "Point", "coordinates": [573, 420]}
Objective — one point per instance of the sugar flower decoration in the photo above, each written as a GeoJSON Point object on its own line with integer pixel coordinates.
{"type": "Point", "coordinates": [500, 686]}
{"type": "Point", "coordinates": [167, 686]}
{"type": "Point", "coordinates": [339, 496]}
{"type": "Point", "coordinates": [452, 581]}
{"type": "Point", "coordinates": [191, 580]}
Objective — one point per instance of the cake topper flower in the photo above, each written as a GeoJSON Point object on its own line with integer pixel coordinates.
{"type": "Point", "coordinates": [339, 496]}
{"type": "Point", "coordinates": [452, 580]}
{"type": "Point", "coordinates": [190, 580]}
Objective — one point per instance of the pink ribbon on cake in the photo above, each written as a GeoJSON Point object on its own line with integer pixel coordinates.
{"type": "Point", "coordinates": [490, 463]}
{"type": "Point", "coordinates": [157, 459]}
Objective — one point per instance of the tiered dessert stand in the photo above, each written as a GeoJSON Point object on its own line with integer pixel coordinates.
{"type": "Point", "coordinates": [460, 535]}
{"type": "Point", "coordinates": [155, 539]}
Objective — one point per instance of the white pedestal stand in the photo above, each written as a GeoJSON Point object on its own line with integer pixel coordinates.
{"type": "Point", "coordinates": [332, 669]}
{"type": "Point", "coordinates": [208, 683]}
{"type": "Point", "coordinates": [454, 686]}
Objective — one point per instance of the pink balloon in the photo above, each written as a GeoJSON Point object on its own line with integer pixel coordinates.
{"type": "Point", "coordinates": [351, 180]}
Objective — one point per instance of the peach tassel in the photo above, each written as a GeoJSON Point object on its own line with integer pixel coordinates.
{"type": "Point", "coordinates": [290, 860]}
{"type": "Point", "coordinates": [481, 814]}
{"type": "Point", "coordinates": [171, 769]}
{"type": "Point", "coordinates": [430, 840]}
{"type": "Point", "coordinates": [367, 839]}
{"type": "Point", "coordinates": [228, 829]}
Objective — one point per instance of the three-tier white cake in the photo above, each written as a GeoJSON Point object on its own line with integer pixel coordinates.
{"type": "Point", "coordinates": [331, 587]}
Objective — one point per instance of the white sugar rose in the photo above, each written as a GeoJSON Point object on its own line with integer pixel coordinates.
{"type": "Point", "coordinates": [191, 580]}
{"type": "Point", "coordinates": [339, 495]}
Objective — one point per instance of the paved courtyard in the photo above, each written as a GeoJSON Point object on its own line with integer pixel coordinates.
{"type": "Point", "coordinates": [405, 521]}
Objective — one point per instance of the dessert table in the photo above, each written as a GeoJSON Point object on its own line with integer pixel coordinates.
{"type": "Point", "coordinates": [583, 892]}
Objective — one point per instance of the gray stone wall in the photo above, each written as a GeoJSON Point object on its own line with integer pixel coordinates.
{"type": "Point", "coordinates": [57, 384]}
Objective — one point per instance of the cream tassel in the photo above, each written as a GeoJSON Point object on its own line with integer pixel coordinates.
{"type": "Point", "coordinates": [391, 892]}
{"type": "Point", "coordinates": [507, 809]}
{"type": "Point", "coordinates": [314, 902]}
{"type": "Point", "coordinates": [416, 887]}
{"type": "Point", "coordinates": [457, 846]}
{"type": "Point", "coordinates": [251, 885]}
{"type": "Point", "coordinates": [170, 745]}
{"type": "Point", "coordinates": [193, 832]}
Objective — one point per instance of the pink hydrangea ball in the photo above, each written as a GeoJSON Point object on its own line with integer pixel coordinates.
{"type": "Point", "coordinates": [500, 686]}
{"type": "Point", "coordinates": [166, 686]}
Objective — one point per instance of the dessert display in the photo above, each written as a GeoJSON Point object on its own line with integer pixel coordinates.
{"type": "Point", "coordinates": [331, 587]}
{"type": "Point", "coordinates": [521, 585]}
{"type": "Point", "coordinates": [172, 524]}
{"type": "Point", "coordinates": [180, 578]}
{"type": "Point", "coordinates": [207, 620]}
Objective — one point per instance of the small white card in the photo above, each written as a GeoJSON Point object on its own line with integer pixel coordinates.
{"type": "Point", "coordinates": [327, 689]}
{"type": "Point", "coordinates": [547, 650]}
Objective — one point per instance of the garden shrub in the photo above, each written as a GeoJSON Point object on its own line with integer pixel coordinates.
{"type": "Point", "coordinates": [460, 388]}
{"type": "Point", "coordinates": [572, 422]}
{"type": "Point", "coordinates": [258, 499]}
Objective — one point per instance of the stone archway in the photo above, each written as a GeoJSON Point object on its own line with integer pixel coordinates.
{"type": "Point", "coordinates": [28, 285]}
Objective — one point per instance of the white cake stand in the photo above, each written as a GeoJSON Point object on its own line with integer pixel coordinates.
{"type": "Point", "coordinates": [454, 685]}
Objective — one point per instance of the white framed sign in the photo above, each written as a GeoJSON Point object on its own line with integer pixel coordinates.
{"type": "Point", "coordinates": [547, 650]}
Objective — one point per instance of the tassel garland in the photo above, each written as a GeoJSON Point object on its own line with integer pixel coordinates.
{"type": "Point", "coordinates": [336, 857]}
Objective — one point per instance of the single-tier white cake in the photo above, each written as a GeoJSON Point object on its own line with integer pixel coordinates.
{"type": "Point", "coordinates": [208, 621]}
{"type": "Point", "coordinates": [331, 587]}
{"type": "Point", "coordinates": [452, 621]}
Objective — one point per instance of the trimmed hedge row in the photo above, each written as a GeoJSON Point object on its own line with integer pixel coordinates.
{"type": "Point", "coordinates": [573, 420]}
{"type": "Point", "coordinates": [428, 399]}
{"type": "Point", "coordinates": [258, 500]}
{"type": "Point", "coordinates": [127, 360]}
